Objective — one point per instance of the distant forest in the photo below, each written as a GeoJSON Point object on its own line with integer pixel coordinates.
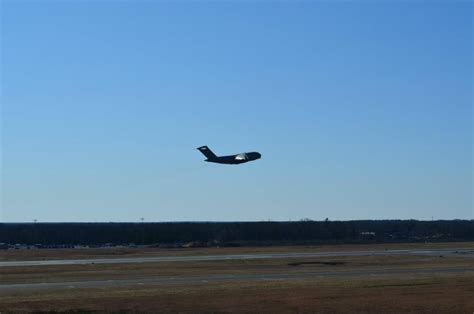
{"type": "Point", "coordinates": [237, 233]}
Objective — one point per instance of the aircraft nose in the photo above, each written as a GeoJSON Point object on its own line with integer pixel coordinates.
{"type": "Point", "coordinates": [259, 155]}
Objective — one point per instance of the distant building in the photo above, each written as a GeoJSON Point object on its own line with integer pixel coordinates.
{"type": "Point", "coordinates": [367, 235]}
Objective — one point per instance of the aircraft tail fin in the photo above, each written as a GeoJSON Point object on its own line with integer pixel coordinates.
{"type": "Point", "coordinates": [206, 151]}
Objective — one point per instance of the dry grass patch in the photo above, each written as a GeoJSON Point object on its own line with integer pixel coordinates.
{"type": "Point", "coordinates": [60, 273]}
{"type": "Point", "coordinates": [409, 294]}
{"type": "Point", "coordinates": [85, 253]}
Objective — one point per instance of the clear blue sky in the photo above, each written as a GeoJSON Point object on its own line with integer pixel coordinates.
{"type": "Point", "coordinates": [361, 110]}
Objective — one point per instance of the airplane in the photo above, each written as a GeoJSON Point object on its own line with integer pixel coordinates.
{"type": "Point", "coordinates": [230, 160]}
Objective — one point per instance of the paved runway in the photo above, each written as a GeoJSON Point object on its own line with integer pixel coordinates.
{"type": "Point", "coordinates": [162, 280]}
{"type": "Point", "coordinates": [466, 252]}
{"type": "Point", "coordinates": [202, 279]}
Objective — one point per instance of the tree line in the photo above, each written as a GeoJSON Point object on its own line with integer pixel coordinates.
{"type": "Point", "coordinates": [238, 233]}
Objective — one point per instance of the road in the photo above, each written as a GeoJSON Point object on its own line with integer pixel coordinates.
{"type": "Point", "coordinates": [466, 252]}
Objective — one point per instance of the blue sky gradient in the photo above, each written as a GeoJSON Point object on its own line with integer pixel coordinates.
{"type": "Point", "coordinates": [361, 110]}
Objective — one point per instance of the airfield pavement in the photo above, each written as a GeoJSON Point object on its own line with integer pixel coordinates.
{"type": "Point", "coordinates": [416, 278]}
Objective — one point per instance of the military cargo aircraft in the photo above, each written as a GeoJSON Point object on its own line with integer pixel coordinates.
{"type": "Point", "coordinates": [231, 159]}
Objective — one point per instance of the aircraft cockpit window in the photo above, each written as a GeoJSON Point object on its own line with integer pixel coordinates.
{"type": "Point", "coordinates": [241, 157]}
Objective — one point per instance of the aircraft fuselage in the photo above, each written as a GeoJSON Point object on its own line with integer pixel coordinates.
{"type": "Point", "coordinates": [231, 159]}
{"type": "Point", "coordinates": [235, 159]}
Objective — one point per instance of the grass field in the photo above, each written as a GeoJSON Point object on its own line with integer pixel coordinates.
{"type": "Point", "coordinates": [39, 254]}
{"type": "Point", "coordinates": [377, 291]}
{"type": "Point", "coordinates": [418, 294]}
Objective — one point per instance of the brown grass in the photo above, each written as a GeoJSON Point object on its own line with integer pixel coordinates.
{"type": "Point", "coordinates": [60, 273]}
{"type": "Point", "coordinates": [42, 254]}
{"type": "Point", "coordinates": [400, 293]}
{"type": "Point", "coordinates": [418, 294]}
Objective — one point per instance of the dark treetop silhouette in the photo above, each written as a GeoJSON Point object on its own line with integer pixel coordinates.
{"type": "Point", "coordinates": [231, 160]}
